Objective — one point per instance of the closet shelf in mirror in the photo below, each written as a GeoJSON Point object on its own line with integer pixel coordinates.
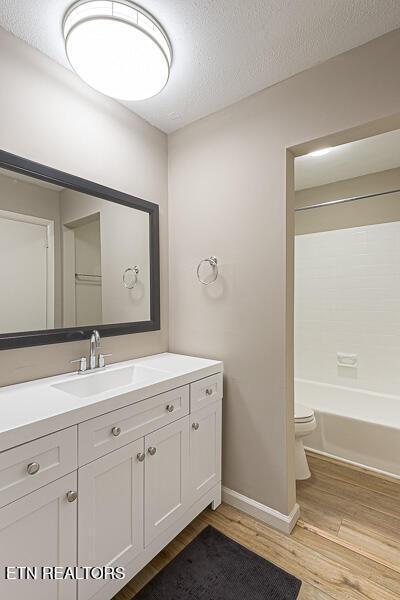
{"type": "Point", "coordinates": [78, 275]}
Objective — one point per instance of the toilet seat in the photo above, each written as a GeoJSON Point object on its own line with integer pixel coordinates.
{"type": "Point", "coordinates": [303, 414]}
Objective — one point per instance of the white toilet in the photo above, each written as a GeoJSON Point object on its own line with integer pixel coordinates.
{"type": "Point", "coordinates": [304, 424]}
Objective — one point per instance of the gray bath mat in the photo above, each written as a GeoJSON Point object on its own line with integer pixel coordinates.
{"type": "Point", "coordinates": [214, 567]}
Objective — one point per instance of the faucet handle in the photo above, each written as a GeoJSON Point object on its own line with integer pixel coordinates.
{"type": "Point", "coordinates": [82, 363]}
{"type": "Point", "coordinates": [102, 357]}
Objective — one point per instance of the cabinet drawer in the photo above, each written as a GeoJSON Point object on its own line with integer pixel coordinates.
{"type": "Point", "coordinates": [104, 434]}
{"type": "Point", "coordinates": [32, 465]}
{"type": "Point", "coordinates": [205, 391]}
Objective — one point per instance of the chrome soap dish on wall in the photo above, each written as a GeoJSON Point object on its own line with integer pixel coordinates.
{"type": "Point", "coordinates": [130, 277]}
{"type": "Point", "coordinates": [213, 262]}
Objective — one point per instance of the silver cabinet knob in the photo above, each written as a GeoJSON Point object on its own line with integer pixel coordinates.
{"type": "Point", "coordinates": [209, 392]}
{"type": "Point", "coordinates": [170, 407]}
{"type": "Point", "coordinates": [116, 431]}
{"type": "Point", "coordinates": [140, 456]}
{"type": "Point", "coordinates": [152, 450]}
{"type": "Point", "coordinates": [32, 468]}
{"type": "Point", "coordinates": [72, 496]}
{"type": "Point", "coordinates": [195, 426]}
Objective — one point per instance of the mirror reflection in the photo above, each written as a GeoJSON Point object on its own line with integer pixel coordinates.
{"type": "Point", "coordinates": [69, 259]}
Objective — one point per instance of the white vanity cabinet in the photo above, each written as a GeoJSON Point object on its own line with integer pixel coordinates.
{"type": "Point", "coordinates": [39, 530]}
{"type": "Point", "coordinates": [167, 477]}
{"type": "Point", "coordinates": [205, 449]}
{"type": "Point", "coordinates": [30, 466]}
{"type": "Point", "coordinates": [138, 475]}
{"type": "Point", "coordinates": [110, 521]}
{"type": "Point", "coordinates": [119, 427]}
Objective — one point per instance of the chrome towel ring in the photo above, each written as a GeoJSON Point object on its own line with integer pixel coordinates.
{"type": "Point", "coordinates": [213, 262]}
{"type": "Point", "coordinates": [130, 284]}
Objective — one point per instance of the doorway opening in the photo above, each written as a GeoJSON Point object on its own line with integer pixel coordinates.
{"type": "Point", "coordinates": [347, 343]}
{"type": "Point", "coordinates": [29, 302]}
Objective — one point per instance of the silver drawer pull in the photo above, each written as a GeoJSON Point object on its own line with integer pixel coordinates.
{"type": "Point", "coordinates": [140, 456]}
{"type": "Point", "coordinates": [170, 407]}
{"type": "Point", "coordinates": [72, 496]}
{"type": "Point", "coordinates": [152, 450]}
{"type": "Point", "coordinates": [209, 392]}
{"type": "Point", "coordinates": [116, 431]}
{"type": "Point", "coordinates": [195, 426]}
{"type": "Point", "coordinates": [32, 468]}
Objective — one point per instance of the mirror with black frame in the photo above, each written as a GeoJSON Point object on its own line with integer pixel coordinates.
{"type": "Point", "coordinates": [74, 256]}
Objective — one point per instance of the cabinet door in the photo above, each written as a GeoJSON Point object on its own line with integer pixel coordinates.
{"type": "Point", "coordinates": [205, 449]}
{"type": "Point", "coordinates": [166, 477]}
{"type": "Point", "coordinates": [39, 530]}
{"type": "Point", "coordinates": [110, 521]}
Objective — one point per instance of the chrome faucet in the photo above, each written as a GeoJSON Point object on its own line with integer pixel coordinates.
{"type": "Point", "coordinates": [94, 363]}
{"type": "Point", "coordinates": [94, 343]}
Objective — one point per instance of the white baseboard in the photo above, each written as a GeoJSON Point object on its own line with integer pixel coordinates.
{"type": "Point", "coordinates": [276, 519]}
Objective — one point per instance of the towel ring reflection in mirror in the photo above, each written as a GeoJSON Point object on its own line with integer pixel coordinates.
{"type": "Point", "coordinates": [130, 277]}
{"type": "Point", "coordinates": [213, 262]}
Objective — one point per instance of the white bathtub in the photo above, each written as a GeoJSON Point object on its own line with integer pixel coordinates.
{"type": "Point", "coordinates": [355, 425]}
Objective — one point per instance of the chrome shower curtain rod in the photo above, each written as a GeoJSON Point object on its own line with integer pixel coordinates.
{"type": "Point", "coordinates": [342, 200]}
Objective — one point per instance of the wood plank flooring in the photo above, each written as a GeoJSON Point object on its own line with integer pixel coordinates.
{"type": "Point", "coordinates": [345, 547]}
{"type": "Point", "coordinates": [354, 508]}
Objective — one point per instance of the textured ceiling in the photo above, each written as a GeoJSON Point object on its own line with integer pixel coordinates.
{"type": "Point", "coordinates": [371, 155]}
{"type": "Point", "coordinates": [224, 50]}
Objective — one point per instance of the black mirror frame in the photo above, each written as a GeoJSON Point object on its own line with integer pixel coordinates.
{"type": "Point", "coordinates": [70, 334]}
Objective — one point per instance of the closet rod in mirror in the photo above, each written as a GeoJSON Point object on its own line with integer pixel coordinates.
{"type": "Point", "coordinates": [343, 200]}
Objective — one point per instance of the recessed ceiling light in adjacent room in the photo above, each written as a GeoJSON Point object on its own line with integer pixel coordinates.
{"type": "Point", "coordinates": [118, 48]}
{"type": "Point", "coordinates": [321, 152]}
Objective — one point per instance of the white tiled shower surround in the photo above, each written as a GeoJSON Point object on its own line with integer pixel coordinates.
{"type": "Point", "coordinates": [347, 300]}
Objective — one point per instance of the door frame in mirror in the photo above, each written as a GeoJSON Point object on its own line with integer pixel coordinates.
{"type": "Point", "coordinates": [36, 170]}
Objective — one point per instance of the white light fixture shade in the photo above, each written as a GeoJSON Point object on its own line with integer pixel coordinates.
{"type": "Point", "coordinates": [117, 48]}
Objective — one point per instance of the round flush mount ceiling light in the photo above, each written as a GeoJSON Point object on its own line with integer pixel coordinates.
{"type": "Point", "coordinates": [118, 48]}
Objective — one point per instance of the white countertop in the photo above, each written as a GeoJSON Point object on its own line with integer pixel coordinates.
{"type": "Point", "coordinates": [36, 408]}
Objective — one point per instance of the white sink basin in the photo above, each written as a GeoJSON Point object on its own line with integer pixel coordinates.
{"type": "Point", "coordinates": [104, 381]}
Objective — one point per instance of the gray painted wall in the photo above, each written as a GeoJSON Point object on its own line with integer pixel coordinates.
{"type": "Point", "coordinates": [228, 196]}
